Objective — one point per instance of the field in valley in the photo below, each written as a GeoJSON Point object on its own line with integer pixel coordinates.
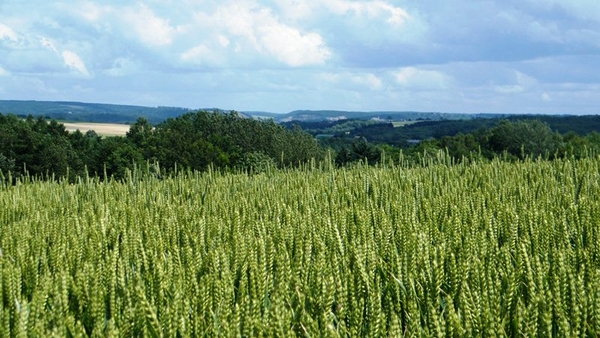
{"type": "Point", "coordinates": [481, 249]}
{"type": "Point", "coordinates": [105, 129]}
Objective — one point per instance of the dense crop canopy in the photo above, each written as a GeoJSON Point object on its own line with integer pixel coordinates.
{"type": "Point", "coordinates": [477, 249]}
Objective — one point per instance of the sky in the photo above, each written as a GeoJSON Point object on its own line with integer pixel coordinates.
{"type": "Point", "coordinates": [455, 56]}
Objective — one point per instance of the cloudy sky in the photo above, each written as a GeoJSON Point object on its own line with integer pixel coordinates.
{"type": "Point", "coordinates": [511, 56]}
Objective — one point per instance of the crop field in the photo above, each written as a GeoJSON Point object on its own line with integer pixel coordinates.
{"type": "Point", "coordinates": [398, 124]}
{"type": "Point", "coordinates": [106, 129]}
{"type": "Point", "coordinates": [475, 249]}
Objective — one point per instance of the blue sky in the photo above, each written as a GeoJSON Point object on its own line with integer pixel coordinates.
{"type": "Point", "coordinates": [509, 56]}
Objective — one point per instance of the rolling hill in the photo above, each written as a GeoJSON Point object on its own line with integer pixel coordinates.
{"type": "Point", "coordinates": [115, 113]}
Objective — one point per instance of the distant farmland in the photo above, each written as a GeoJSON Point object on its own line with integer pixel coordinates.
{"type": "Point", "coordinates": [397, 124]}
{"type": "Point", "coordinates": [105, 129]}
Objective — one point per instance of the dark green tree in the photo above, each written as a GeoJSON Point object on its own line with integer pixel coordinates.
{"type": "Point", "coordinates": [141, 136]}
{"type": "Point", "coordinates": [116, 155]}
{"type": "Point", "coordinates": [520, 139]}
{"type": "Point", "coordinates": [460, 146]}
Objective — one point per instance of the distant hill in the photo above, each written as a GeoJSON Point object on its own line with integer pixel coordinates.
{"type": "Point", "coordinates": [88, 112]}
{"type": "Point", "coordinates": [334, 115]}
{"type": "Point", "coordinates": [115, 113]}
{"type": "Point", "coordinates": [127, 114]}
{"type": "Point", "coordinates": [340, 115]}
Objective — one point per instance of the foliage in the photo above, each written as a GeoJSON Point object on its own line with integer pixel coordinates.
{"type": "Point", "coordinates": [199, 139]}
{"type": "Point", "coordinates": [471, 249]}
{"type": "Point", "coordinates": [36, 145]}
{"type": "Point", "coordinates": [6, 164]}
{"type": "Point", "coordinates": [524, 138]}
{"type": "Point", "coordinates": [228, 141]}
{"type": "Point", "coordinates": [360, 150]}
{"type": "Point", "coordinates": [41, 148]}
{"type": "Point", "coordinates": [386, 133]}
{"type": "Point", "coordinates": [257, 162]}
{"type": "Point", "coordinates": [330, 127]}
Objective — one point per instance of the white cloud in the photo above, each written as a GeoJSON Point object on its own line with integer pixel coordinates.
{"type": "Point", "coordinates": [353, 80]}
{"type": "Point", "coordinates": [202, 55]}
{"type": "Point", "coordinates": [289, 46]}
{"type": "Point", "coordinates": [330, 77]}
{"type": "Point", "coordinates": [375, 10]}
{"type": "Point", "coordinates": [372, 9]}
{"type": "Point", "coordinates": [149, 28]}
{"type": "Point", "coordinates": [4, 72]}
{"type": "Point", "coordinates": [525, 80]}
{"type": "Point", "coordinates": [369, 24]}
{"type": "Point", "coordinates": [223, 40]}
{"type": "Point", "coordinates": [296, 9]}
{"type": "Point", "coordinates": [7, 33]}
{"type": "Point", "coordinates": [122, 66]}
{"type": "Point", "coordinates": [91, 11]}
{"type": "Point", "coordinates": [546, 97]}
{"type": "Point", "coordinates": [521, 83]}
{"type": "Point", "coordinates": [48, 44]}
{"type": "Point", "coordinates": [239, 19]}
{"type": "Point", "coordinates": [413, 77]}
{"type": "Point", "coordinates": [370, 80]}
{"type": "Point", "coordinates": [73, 61]}
{"type": "Point", "coordinates": [255, 29]}
{"type": "Point", "coordinates": [69, 58]}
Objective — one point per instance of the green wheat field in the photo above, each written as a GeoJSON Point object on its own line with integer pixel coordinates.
{"type": "Point", "coordinates": [444, 250]}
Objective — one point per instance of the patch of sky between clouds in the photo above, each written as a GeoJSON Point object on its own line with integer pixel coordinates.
{"type": "Point", "coordinates": [582, 9]}
{"type": "Point", "coordinates": [416, 78]}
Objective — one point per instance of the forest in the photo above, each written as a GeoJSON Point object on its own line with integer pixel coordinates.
{"type": "Point", "coordinates": [194, 141]}
{"type": "Point", "coordinates": [497, 138]}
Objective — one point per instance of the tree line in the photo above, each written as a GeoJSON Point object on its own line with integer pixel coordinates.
{"type": "Point", "coordinates": [226, 141]}
{"type": "Point", "coordinates": [506, 139]}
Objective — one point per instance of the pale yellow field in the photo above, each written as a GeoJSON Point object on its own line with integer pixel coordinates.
{"type": "Point", "coordinates": [106, 129]}
{"type": "Point", "coordinates": [397, 124]}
